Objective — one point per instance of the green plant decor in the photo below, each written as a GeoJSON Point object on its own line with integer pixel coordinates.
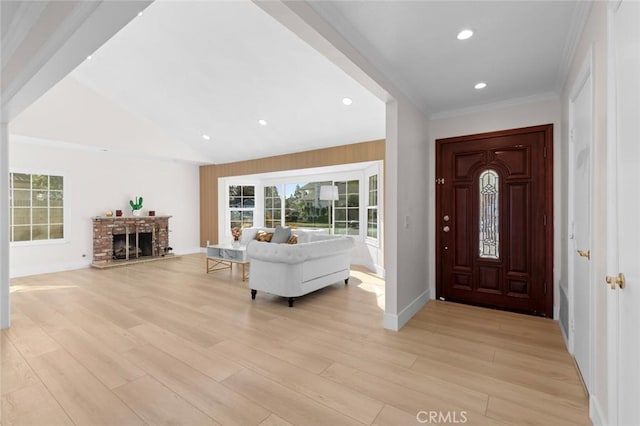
{"type": "Point", "coordinates": [137, 205]}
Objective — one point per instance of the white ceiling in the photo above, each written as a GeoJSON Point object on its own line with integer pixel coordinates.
{"type": "Point", "coordinates": [188, 68]}
{"type": "Point", "coordinates": [519, 48]}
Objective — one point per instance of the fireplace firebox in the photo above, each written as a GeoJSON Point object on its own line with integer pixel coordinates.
{"type": "Point", "coordinates": [132, 245]}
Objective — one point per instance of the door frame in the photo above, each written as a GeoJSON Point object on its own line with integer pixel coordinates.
{"type": "Point", "coordinates": [585, 75]}
{"type": "Point", "coordinates": [548, 203]}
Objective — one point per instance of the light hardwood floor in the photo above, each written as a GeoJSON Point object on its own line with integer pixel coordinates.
{"type": "Point", "coordinates": [165, 343]}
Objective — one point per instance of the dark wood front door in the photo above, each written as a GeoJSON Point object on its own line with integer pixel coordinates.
{"type": "Point", "coordinates": [494, 216]}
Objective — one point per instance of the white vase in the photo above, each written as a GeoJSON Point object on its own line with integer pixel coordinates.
{"type": "Point", "coordinates": [136, 212]}
{"type": "Point", "coordinates": [235, 243]}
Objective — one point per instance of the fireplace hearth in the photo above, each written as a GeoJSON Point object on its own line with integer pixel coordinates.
{"type": "Point", "coordinates": [125, 240]}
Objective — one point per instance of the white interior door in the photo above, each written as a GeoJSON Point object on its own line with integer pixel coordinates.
{"type": "Point", "coordinates": [580, 283]}
{"type": "Point", "coordinates": [624, 330]}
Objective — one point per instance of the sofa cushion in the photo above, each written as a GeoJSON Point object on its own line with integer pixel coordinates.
{"type": "Point", "coordinates": [281, 235]}
{"type": "Point", "coordinates": [264, 236]}
{"type": "Point", "coordinates": [248, 234]}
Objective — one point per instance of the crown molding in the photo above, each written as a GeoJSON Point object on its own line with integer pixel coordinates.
{"type": "Point", "coordinates": [576, 28]}
{"type": "Point", "coordinates": [496, 105]}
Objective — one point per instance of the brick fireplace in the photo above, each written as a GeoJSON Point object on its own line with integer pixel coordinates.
{"type": "Point", "coordinates": [121, 240]}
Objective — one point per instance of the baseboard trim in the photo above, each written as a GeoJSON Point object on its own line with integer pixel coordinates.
{"type": "Point", "coordinates": [396, 322]}
{"type": "Point", "coordinates": [48, 269]}
{"type": "Point", "coordinates": [565, 334]}
{"type": "Point", "coordinates": [193, 250]}
{"type": "Point", "coordinates": [595, 412]}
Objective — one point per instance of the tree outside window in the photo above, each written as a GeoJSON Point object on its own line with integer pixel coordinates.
{"type": "Point", "coordinates": [303, 207]}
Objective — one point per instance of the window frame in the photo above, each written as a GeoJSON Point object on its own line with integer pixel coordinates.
{"type": "Point", "coordinates": [65, 222]}
{"type": "Point", "coordinates": [230, 210]}
{"type": "Point", "coordinates": [281, 189]}
{"type": "Point", "coordinates": [333, 177]}
{"type": "Point", "coordinates": [347, 207]}
{"type": "Point", "coordinates": [370, 207]}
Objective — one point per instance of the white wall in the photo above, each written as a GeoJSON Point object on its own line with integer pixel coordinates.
{"type": "Point", "coordinates": [507, 117]}
{"type": "Point", "coordinates": [406, 232]}
{"type": "Point", "coordinates": [95, 182]}
{"type": "Point", "coordinates": [594, 42]}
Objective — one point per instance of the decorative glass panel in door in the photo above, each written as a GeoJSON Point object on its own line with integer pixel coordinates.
{"type": "Point", "coordinates": [489, 214]}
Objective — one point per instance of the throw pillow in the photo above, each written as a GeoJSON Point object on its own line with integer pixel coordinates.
{"type": "Point", "coordinates": [264, 236]}
{"type": "Point", "coordinates": [281, 235]}
{"type": "Point", "coordinates": [293, 239]}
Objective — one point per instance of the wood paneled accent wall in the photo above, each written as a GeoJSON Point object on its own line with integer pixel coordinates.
{"type": "Point", "coordinates": [345, 154]}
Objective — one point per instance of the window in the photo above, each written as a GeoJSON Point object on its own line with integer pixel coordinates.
{"type": "Point", "coordinates": [242, 202]}
{"type": "Point", "coordinates": [303, 206]}
{"type": "Point", "coordinates": [489, 217]}
{"type": "Point", "coordinates": [372, 208]}
{"type": "Point", "coordinates": [272, 207]}
{"type": "Point", "coordinates": [347, 208]}
{"type": "Point", "coordinates": [36, 204]}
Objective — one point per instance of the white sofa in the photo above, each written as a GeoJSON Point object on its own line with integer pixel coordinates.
{"type": "Point", "coordinates": [293, 270]}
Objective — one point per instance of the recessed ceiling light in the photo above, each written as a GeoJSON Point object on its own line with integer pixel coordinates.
{"type": "Point", "coordinates": [89, 57]}
{"type": "Point", "coordinates": [347, 101]}
{"type": "Point", "coordinates": [480, 85]}
{"type": "Point", "coordinates": [465, 34]}
{"type": "Point", "coordinates": [140, 13]}
{"type": "Point", "coordinates": [262, 122]}
{"type": "Point", "coordinates": [206, 137]}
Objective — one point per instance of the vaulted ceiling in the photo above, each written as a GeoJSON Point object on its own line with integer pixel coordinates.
{"type": "Point", "coordinates": [183, 70]}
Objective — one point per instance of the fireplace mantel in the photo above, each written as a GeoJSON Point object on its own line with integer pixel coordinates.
{"type": "Point", "coordinates": [105, 228]}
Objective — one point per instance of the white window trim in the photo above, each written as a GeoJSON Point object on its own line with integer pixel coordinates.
{"type": "Point", "coordinates": [65, 211]}
{"type": "Point", "coordinates": [374, 170]}
{"type": "Point", "coordinates": [224, 220]}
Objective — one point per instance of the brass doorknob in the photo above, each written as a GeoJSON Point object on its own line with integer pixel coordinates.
{"type": "Point", "coordinates": [583, 253]}
{"type": "Point", "coordinates": [619, 280]}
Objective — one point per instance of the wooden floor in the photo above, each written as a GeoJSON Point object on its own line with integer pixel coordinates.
{"type": "Point", "coordinates": [165, 343]}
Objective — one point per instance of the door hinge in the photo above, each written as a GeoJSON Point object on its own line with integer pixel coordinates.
{"type": "Point", "coordinates": [545, 288]}
{"type": "Point", "coordinates": [544, 153]}
{"type": "Point", "coordinates": [544, 220]}
{"type": "Point", "coordinates": [439, 181]}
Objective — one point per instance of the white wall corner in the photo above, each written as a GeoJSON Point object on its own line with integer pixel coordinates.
{"type": "Point", "coordinates": [396, 322]}
{"type": "Point", "coordinates": [5, 305]}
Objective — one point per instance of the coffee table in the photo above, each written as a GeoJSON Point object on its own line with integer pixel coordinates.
{"type": "Point", "coordinates": [223, 256]}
